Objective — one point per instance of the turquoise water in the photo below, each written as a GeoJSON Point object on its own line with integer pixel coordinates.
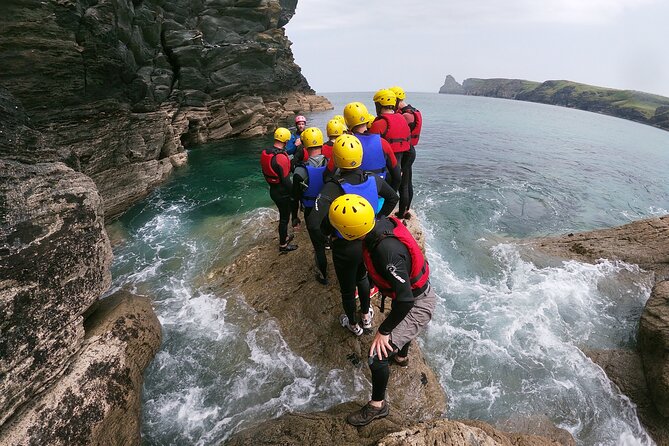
{"type": "Point", "coordinates": [508, 333]}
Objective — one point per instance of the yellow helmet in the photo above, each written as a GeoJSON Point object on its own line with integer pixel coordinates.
{"type": "Point", "coordinates": [371, 118]}
{"type": "Point", "coordinates": [352, 216]}
{"type": "Point", "coordinates": [347, 152]}
{"type": "Point", "coordinates": [386, 98]}
{"type": "Point", "coordinates": [282, 134]}
{"type": "Point", "coordinates": [312, 137]}
{"type": "Point", "coordinates": [339, 118]}
{"type": "Point", "coordinates": [335, 127]}
{"type": "Point", "coordinates": [355, 113]}
{"type": "Point", "coordinates": [401, 95]}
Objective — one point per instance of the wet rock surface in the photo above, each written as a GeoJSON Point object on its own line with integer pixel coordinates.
{"type": "Point", "coordinates": [97, 400]}
{"type": "Point", "coordinates": [643, 375]}
{"type": "Point", "coordinates": [307, 314]}
{"type": "Point", "coordinates": [70, 366]}
{"type": "Point", "coordinates": [54, 264]}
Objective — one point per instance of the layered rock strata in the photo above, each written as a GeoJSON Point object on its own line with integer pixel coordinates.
{"type": "Point", "coordinates": [120, 88]}
{"type": "Point", "coordinates": [643, 375]}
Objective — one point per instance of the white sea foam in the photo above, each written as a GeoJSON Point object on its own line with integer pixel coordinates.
{"type": "Point", "coordinates": [512, 344]}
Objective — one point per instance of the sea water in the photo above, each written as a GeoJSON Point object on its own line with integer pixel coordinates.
{"type": "Point", "coordinates": [509, 334]}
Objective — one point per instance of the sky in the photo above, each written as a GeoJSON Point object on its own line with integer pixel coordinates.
{"type": "Point", "coordinates": [348, 45]}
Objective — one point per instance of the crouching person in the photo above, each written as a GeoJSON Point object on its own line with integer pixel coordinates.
{"type": "Point", "coordinates": [397, 266]}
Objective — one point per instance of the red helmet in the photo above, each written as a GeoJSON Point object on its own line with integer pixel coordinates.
{"type": "Point", "coordinates": [300, 118]}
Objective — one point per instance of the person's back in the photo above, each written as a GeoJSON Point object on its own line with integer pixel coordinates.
{"type": "Point", "coordinates": [378, 156]}
{"type": "Point", "coordinates": [387, 242]}
{"type": "Point", "coordinates": [391, 126]}
{"type": "Point", "coordinates": [276, 167]}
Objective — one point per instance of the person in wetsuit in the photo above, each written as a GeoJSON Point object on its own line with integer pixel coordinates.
{"type": "Point", "coordinates": [414, 119]}
{"type": "Point", "coordinates": [398, 267]}
{"type": "Point", "coordinates": [307, 184]}
{"type": "Point", "coordinates": [275, 165]}
{"type": "Point", "coordinates": [378, 156]}
{"type": "Point", "coordinates": [394, 128]}
{"type": "Point", "coordinates": [347, 255]}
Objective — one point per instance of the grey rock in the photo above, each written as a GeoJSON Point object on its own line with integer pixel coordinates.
{"type": "Point", "coordinates": [54, 264]}
{"type": "Point", "coordinates": [451, 86]}
{"type": "Point", "coordinates": [97, 400]}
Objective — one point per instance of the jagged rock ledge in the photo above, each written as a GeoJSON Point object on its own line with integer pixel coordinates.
{"type": "Point", "coordinates": [307, 314]}
{"type": "Point", "coordinates": [643, 374]}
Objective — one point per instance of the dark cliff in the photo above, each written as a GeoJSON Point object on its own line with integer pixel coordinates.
{"type": "Point", "coordinates": [119, 87]}
{"type": "Point", "coordinates": [98, 99]}
{"type": "Point", "coordinates": [627, 104]}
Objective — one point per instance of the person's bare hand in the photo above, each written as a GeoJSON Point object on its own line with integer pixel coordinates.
{"type": "Point", "coordinates": [381, 346]}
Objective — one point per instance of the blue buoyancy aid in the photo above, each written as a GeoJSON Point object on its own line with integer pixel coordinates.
{"type": "Point", "coordinates": [373, 158]}
{"type": "Point", "coordinates": [367, 190]}
{"type": "Point", "coordinates": [315, 185]}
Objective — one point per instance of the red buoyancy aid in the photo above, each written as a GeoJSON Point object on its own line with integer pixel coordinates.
{"type": "Point", "coordinates": [417, 124]}
{"type": "Point", "coordinates": [266, 158]}
{"type": "Point", "coordinates": [397, 131]}
{"type": "Point", "coordinates": [326, 150]}
{"type": "Point", "coordinates": [420, 269]}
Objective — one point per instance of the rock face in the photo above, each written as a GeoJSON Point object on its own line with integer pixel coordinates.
{"type": "Point", "coordinates": [54, 265]}
{"type": "Point", "coordinates": [641, 375]}
{"type": "Point", "coordinates": [654, 346]}
{"type": "Point", "coordinates": [451, 86]}
{"type": "Point", "coordinates": [627, 104]}
{"type": "Point", "coordinates": [120, 87]}
{"type": "Point", "coordinates": [69, 374]}
{"type": "Point", "coordinates": [97, 400]}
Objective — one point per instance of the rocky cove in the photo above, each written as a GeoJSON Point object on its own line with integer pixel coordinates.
{"type": "Point", "coordinates": [72, 365]}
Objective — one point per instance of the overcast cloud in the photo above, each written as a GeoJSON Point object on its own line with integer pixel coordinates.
{"type": "Point", "coordinates": [350, 45]}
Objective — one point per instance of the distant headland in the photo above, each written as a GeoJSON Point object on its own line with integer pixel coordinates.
{"type": "Point", "coordinates": [627, 104]}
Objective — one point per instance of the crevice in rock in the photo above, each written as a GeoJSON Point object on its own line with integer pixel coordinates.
{"type": "Point", "coordinates": [171, 59]}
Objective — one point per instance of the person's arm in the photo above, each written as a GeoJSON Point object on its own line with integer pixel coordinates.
{"type": "Point", "coordinates": [393, 263]}
{"type": "Point", "coordinates": [388, 194]}
{"type": "Point", "coordinates": [379, 126]}
{"type": "Point", "coordinates": [299, 183]}
{"type": "Point", "coordinates": [410, 119]}
{"type": "Point", "coordinates": [393, 167]}
{"type": "Point", "coordinates": [322, 206]}
{"type": "Point", "coordinates": [284, 176]}
{"type": "Point", "coordinates": [290, 144]}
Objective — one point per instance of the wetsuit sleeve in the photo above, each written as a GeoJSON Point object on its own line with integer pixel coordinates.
{"type": "Point", "coordinates": [392, 165]}
{"type": "Point", "coordinates": [393, 262]}
{"type": "Point", "coordinates": [290, 144]}
{"type": "Point", "coordinates": [388, 194]}
{"type": "Point", "coordinates": [284, 176]}
{"type": "Point", "coordinates": [410, 119]}
{"type": "Point", "coordinates": [299, 185]}
{"type": "Point", "coordinates": [379, 126]}
{"type": "Point", "coordinates": [322, 206]}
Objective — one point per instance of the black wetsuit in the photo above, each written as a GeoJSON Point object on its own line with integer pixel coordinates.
{"type": "Point", "coordinates": [300, 184]}
{"type": "Point", "coordinates": [347, 255]}
{"type": "Point", "coordinates": [390, 255]}
{"type": "Point", "coordinates": [406, 160]}
{"type": "Point", "coordinates": [281, 194]}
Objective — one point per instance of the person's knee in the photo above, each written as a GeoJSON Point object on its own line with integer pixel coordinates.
{"type": "Point", "coordinates": [376, 364]}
